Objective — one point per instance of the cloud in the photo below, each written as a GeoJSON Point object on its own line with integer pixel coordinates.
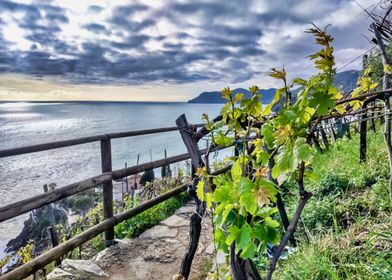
{"type": "Point", "coordinates": [96, 28]}
{"type": "Point", "coordinates": [175, 42]}
{"type": "Point", "coordinates": [95, 9]}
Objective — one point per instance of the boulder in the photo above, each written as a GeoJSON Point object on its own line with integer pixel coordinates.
{"type": "Point", "coordinates": [82, 267]}
{"type": "Point", "coordinates": [59, 274]}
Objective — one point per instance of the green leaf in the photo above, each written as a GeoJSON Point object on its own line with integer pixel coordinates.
{"type": "Point", "coordinates": [222, 194]}
{"type": "Point", "coordinates": [322, 101]}
{"type": "Point", "coordinates": [246, 185]}
{"type": "Point", "coordinates": [262, 157]}
{"type": "Point", "coordinates": [249, 251]}
{"type": "Point", "coordinates": [275, 171]}
{"type": "Point", "coordinates": [305, 115]}
{"type": "Point", "coordinates": [221, 140]}
{"type": "Point", "coordinates": [285, 159]}
{"type": "Point", "coordinates": [226, 212]}
{"type": "Point", "coordinates": [244, 237]}
{"type": "Point", "coordinates": [236, 170]}
{"type": "Point", "coordinates": [299, 81]}
{"type": "Point", "coordinates": [268, 134]}
{"type": "Point", "coordinates": [220, 239]}
{"type": "Point", "coordinates": [200, 190]}
{"type": "Point", "coordinates": [249, 202]}
{"type": "Point", "coordinates": [271, 223]}
{"type": "Point", "coordinates": [290, 114]}
{"type": "Point", "coordinates": [302, 150]}
{"type": "Point", "coordinates": [272, 235]}
{"type": "Point", "coordinates": [268, 109]}
{"type": "Point", "coordinates": [209, 199]}
{"type": "Point", "coordinates": [234, 233]}
{"type": "Point", "coordinates": [259, 232]}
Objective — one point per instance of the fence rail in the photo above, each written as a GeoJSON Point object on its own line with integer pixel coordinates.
{"type": "Point", "coordinates": [83, 140]}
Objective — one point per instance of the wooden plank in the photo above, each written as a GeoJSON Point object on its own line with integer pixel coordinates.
{"type": "Point", "coordinates": [82, 140]}
{"type": "Point", "coordinates": [106, 163]}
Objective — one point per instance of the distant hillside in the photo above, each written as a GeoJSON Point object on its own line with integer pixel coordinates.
{"type": "Point", "coordinates": [216, 96]}
{"type": "Point", "coordinates": [347, 80]}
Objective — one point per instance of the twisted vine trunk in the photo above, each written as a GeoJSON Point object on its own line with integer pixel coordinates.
{"type": "Point", "coordinates": [188, 136]}
{"type": "Point", "coordinates": [242, 269]}
{"type": "Point", "coordinates": [385, 86]}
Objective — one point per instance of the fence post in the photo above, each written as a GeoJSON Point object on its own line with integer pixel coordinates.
{"type": "Point", "coordinates": [106, 162]}
{"type": "Point", "coordinates": [324, 137]}
{"type": "Point", "coordinates": [187, 135]}
{"type": "Point", "coordinates": [362, 135]}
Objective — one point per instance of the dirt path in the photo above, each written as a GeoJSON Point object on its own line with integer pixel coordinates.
{"type": "Point", "coordinates": [157, 253]}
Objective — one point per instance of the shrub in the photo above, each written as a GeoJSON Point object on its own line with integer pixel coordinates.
{"type": "Point", "coordinates": [148, 176]}
{"type": "Point", "coordinates": [83, 204]}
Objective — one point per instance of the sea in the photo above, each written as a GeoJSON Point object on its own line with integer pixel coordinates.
{"type": "Point", "coordinates": [29, 123]}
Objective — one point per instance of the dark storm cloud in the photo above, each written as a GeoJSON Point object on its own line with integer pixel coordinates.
{"type": "Point", "coordinates": [136, 41]}
{"type": "Point", "coordinates": [210, 41]}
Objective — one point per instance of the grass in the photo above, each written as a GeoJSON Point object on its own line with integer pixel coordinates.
{"type": "Point", "coordinates": [346, 228]}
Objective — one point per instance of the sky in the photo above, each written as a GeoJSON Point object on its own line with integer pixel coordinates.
{"type": "Point", "coordinates": [150, 50]}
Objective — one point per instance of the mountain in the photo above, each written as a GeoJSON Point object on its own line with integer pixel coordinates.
{"type": "Point", "coordinates": [346, 80]}
{"type": "Point", "coordinates": [216, 96]}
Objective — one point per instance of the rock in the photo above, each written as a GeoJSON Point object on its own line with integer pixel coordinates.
{"type": "Point", "coordinates": [83, 266]}
{"type": "Point", "coordinates": [159, 232]}
{"type": "Point", "coordinates": [187, 209]}
{"type": "Point", "coordinates": [175, 221]}
{"type": "Point", "coordinates": [210, 249]}
{"type": "Point", "coordinates": [172, 241]}
{"type": "Point", "coordinates": [178, 277]}
{"type": "Point", "coordinates": [34, 226]}
{"type": "Point", "coordinates": [59, 274]}
{"type": "Point", "coordinates": [100, 255]}
{"type": "Point", "coordinates": [220, 257]}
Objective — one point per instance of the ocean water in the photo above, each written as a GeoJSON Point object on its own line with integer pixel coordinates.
{"type": "Point", "coordinates": [25, 123]}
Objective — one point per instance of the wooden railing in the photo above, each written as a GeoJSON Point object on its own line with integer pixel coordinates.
{"type": "Point", "coordinates": [105, 179]}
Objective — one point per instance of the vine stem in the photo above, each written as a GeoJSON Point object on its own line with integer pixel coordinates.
{"type": "Point", "coordinates": [290, 231]}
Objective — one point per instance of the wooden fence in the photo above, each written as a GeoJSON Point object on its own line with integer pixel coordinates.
{"type": "Point", "coordinates": [105, 180]}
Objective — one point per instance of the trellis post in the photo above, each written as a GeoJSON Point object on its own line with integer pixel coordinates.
{"type": "Point", "coordinates": [106, 162]}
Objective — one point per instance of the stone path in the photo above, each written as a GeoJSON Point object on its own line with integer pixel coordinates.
{"type": "Point", "coordinates": [156, 254]}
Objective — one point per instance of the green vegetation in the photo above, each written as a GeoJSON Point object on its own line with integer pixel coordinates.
{"type": "Point", "coordinates": [348, 208]}
{"type": "Point", "coordinates": [346, 233]}
{"type": "Point", "coordinates": [147, 177]}
{"type": "Point", "coordinates": [80, 203]}
{"type": "Point", "coordinates": [136, 225]}
{"type": "Point", "coordinates": [375, 63]}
